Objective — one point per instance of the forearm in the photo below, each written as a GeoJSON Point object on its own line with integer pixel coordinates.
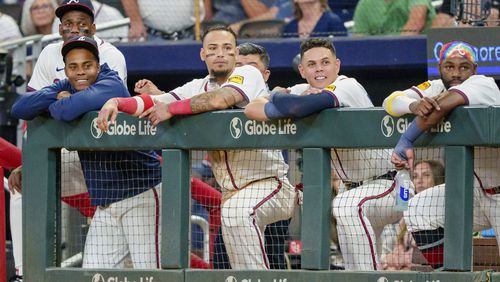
{"type": "Point", "coordinates": [447, 102]}
{"type": "Point", "coordinates": [27, 107]}
{"type": "Point", "coordinates": [131, 9]}
{"type": "Point", "coordinates": [256, 109]}
{"type": "Point", "coordinates": [253, 8]}
{"type": "Point", "coordinates": [300, 106]}
{"type": "Point", "coordinates": [220, 99]}
{"type": "Point", "coordinates": [416, 20]}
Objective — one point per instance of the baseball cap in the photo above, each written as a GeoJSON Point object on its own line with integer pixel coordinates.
{"type": "Point", "coordinates": [80, 42]}
{"type": "Point", "coordinates": [72, 5]}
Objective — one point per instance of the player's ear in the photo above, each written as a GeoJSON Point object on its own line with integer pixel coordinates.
{"type": "Point", "coordinates": [93, 30]}
{"type": "Point", "coordinates": [203, 54]}
{"type": "Point", "coordinates": [337, 64]}
{"type": "Point", "coordinates": [301, 71]}
{"type": "Point", "coordinates": [266, 75]}
{"type": "Point", "coordinates": [475, 68]}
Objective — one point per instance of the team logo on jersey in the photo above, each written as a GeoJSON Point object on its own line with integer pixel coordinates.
{"type": "Point", "coordinates": [98, 278]}
{"type": "Point", "coordinates": [236, 127]}
{"type": "Point", "coordinates": [236, 79]}
{"type": "Point", "coordinates": [423, 86]}
{"type": "Point", "coordinates": [387, 126]}
{"type": "Point", "coordinates": [331, 88]}
{"type": "Point", "coordinates": [94, 129]}
{"type": "Point", "coordinates": [382, 279]}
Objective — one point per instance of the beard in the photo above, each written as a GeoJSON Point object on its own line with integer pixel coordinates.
{"type": "Point", "coordinates": [446, 83]}
{"type": "Point", "coordinates": [219, 73]}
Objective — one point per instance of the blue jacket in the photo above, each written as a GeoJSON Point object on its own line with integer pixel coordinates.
{"type": "Point", "coordinates": [328, 24]}
{"type": "Point", "coordinates": [110, 176]}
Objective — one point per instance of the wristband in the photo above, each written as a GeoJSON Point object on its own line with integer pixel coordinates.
{"type": "Point", "coordinates": [135, 105]}
{"type": "Point", "coordinates": [406, 141]}
{"type": "Point", "coordinates": [182, 107]}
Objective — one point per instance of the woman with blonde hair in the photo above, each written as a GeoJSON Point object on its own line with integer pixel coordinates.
{"type": "Point", "coordinates": [314, 18]}
{"type": "Point", "coordinates": [38, 16]}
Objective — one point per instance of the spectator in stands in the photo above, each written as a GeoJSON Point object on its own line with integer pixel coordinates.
{"type": "Point", "coordinates": [154, 20]}
{"type": "Point", "coordinates": [9, 30]}
{"type": "Point", "coordinates": [431, 101]}
{"type": "Point", "coordinates": [38, 16]}
{"type": "Point", "coordinates": [446, 17]}
{"type": "Point", "coordinates": [280, 10]}
{"type": "Point", "coordinates": [426, 174]}
{"type": "Point", "coordinates": [404, 17]}
{"type": "Point", "coordinates": [232, 11]}
{"type": "Point", "coordinates": [105, 13]}
{"type": "Point", "coordinates": [313, 18]}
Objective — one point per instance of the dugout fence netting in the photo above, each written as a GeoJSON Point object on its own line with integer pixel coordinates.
{"type": "Point", "coordinates": [367, 229]}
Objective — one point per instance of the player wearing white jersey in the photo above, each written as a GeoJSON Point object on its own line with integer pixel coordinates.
{"type": "Point", "coordinates": [256, 191]}
{"type": "Point", "coordinates": [49, 67]}
{"type": "Point", "coordinates": [358, 231]}
{"type": "Point", "coordinates": [431, 101]}
{"type": "Point", "coordinates": [76, 20]}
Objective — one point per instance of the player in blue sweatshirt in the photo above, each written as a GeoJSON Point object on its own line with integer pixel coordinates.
{"type": "Point", "coordinates": [124, 185]}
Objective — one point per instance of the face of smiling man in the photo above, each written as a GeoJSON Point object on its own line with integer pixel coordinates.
{"type": "Point", "coordinates": [81, 68]}
{"type": "Point", "coordinates": [320, 67]}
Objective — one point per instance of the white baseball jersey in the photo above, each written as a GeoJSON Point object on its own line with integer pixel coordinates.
{"type": "Point", "coordinates": [103, 14]}
{"type": "Point", "coordinates": [476, 90]}
{"type": "Point", "coordinates": [353, 164]}
{"type": "Point", "coordinates": [234, 169]}
{"type": "Point", "coordinates": [50, 65]}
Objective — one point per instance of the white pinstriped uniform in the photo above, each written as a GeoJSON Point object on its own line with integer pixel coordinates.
{"type": "Point", "coordinates": [255, 188]}
{"type": "Point", "coordinates": [426, 209]}
{"type": "Point", "coordinates": [362, 212]}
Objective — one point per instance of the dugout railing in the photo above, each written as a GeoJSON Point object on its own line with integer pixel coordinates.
{"type": "Point", "coordinates": [343, 128]}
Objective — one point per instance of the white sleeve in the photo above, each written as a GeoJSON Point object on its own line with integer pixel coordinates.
{"type": "Point", "coordinates": [347, 92]}
{"type": "Point", "coordinates": [398, 103]}
{"type": "Point", "coordinates": [188, 90]}
{"type": "Point", "coordinates": [478, 90]}
{"type": "Point", "coordinates": [116, 61]}
{"type": "Point", "coordinates": [248, 81]}
{"type": "Point", "coordinates": [167, 97]}
{"type": "Point", "coordinates": [41, 76]}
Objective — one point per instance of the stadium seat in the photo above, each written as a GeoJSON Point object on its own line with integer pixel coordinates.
{"type": "Point", "coordinates": [262, 29]}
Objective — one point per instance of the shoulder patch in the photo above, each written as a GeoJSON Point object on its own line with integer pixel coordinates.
{"type": "Point", "coordinates": [423, 86]}
{"type": "Point", "coordinates": [331, 88]}
{"type": "Point", "coordinates": [236, 79]}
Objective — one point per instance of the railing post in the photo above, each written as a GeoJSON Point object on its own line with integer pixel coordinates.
{"type": "Point", "coordinates": [39, 207]}
{"type": "Point", "coordinates": [175, 209]}
{"type": "Point", "coordinates": [317, 209]}
{"type": "Point", "coordinates": [459, 203]}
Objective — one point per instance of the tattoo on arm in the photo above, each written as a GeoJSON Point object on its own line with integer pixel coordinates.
{"type": "Point", "coordinates": [215, 100]}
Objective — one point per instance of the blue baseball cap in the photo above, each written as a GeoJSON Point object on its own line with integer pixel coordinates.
{"type": "Point", "coordinates": [78, 5]}
{"type": "Point", "coordinates": [80, 42]}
